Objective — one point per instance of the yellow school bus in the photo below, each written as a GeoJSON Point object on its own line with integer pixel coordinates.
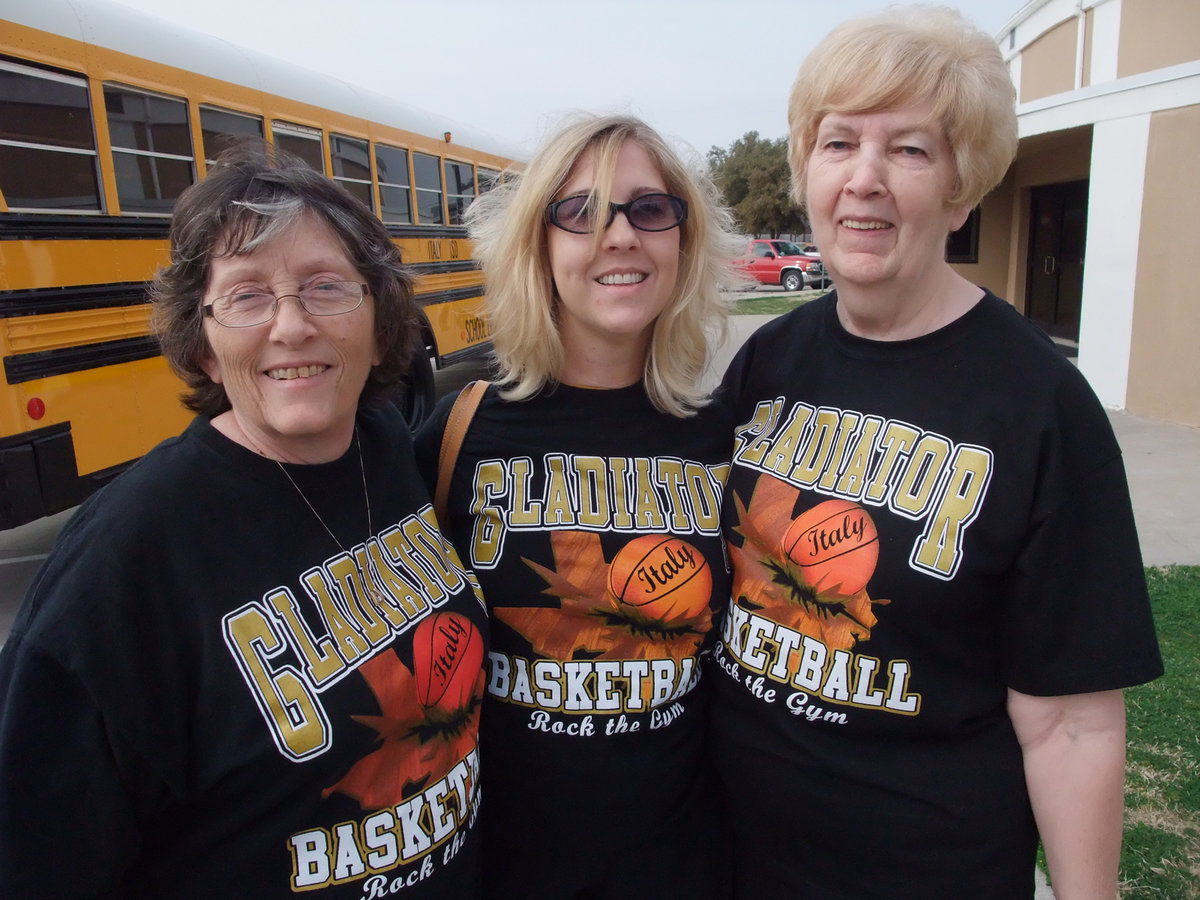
{"type": "Point", "coordinates": [106, 115]}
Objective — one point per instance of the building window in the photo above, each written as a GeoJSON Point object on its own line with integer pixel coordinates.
{"type": "Point", "coordinates": [427, 173]}
{"type": "Point", "coordinates": [460, 190]}
{"type": "Point", "coordinates": [488, 179]}
{"type": "Point", "coordinates": [351, 159]}
{"type": "Point", "coordinates": [301, 141]}
{"type": "Point", "coordinates": [962, 246]}
{"type": "Point", "coordinates": [48, 158]}
{"type": "Point", "coordinates": [221, 129]}
{"type": "Point", "coordinates": [151, 148]}
{"type": "Point", "coordinates": [395, 199]}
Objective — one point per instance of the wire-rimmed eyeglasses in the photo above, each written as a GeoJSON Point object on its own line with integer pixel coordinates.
{"type": "Point", "coordinates": [242, 309]}
{"type": "Point", "coordinates": [649, 212]}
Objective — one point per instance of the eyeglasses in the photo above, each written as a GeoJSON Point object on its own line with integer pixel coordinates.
{"type": "Point", "coordinates": [649, 212]}
{"type": "Point", "coordinates": [242, 309]}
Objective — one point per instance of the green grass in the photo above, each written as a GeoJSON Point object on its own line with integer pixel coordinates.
{"type": "Point", "coordinates": [772, 303]}
{"type": "Point", "coordinates": [1161, 855]}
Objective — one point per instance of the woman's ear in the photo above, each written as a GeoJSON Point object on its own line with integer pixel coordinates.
{"type": "Point", "coordinates": [210, 366]}
{"type": "Point", "coordinates": [958, 217]}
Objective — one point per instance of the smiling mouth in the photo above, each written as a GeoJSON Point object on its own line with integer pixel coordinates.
{"type": "Point", "coordinates": [623, 278]}
{"type": "Point", "coordinates": [859, 225]}
{"type": "Point", "coordinates": [287, 374]}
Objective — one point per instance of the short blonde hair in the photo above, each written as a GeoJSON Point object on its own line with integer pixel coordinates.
{"type": "Point", "coordinates": [904, 56]}
{"type": "Point", "coordinates": [508, 227]}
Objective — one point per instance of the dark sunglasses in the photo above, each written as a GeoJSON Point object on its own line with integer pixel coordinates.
{"type": "Point", "coordinates": [649, 212]}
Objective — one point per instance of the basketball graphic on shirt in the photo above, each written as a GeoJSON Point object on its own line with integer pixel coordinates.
{"type": "Point", "coordinates": [661, 576]}
{"type": "Point", "coordinates": [835, 545]}
{"type": "Point", "coordinates": [447, 656]}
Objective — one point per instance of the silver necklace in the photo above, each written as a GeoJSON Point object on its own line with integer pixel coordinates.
{"type": "Point", "coordinates": [369, 585]}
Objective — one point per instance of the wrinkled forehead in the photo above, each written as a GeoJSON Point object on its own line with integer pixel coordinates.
{"type": "Point", "coordinates": [891, 121]}
{"type": "Point", "coordinates": [881, 94]}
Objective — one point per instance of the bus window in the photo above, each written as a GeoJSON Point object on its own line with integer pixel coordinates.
{"type": "Point", "coordinates": [47, 149]}
{"type": "Point", "coordinates": [300, 141]}
{"type": "Point", "coordinates": [352, 167]}
{"type": "Point", "coordinates": [460, 190]}
{"type": "Point", "coordinates": [151, 148]}
{"type": "Point", "coordinates": [395, 201]}
{"type": "Point", "coordinates": [428, 174]}
{"type": "Point", "coordinates": [84, 390]}
{"type": "Point", "coordinates": [221, 128]}
{"type": "Point", "coordinates": [488, 179]}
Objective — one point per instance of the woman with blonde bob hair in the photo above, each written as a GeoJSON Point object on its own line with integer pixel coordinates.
{"type": "Point", "coordinates": [935, 566]}
{"type": "Point", "coordinates": [587, 496]}
{"type": "Point", "coordinates": [872, 66]}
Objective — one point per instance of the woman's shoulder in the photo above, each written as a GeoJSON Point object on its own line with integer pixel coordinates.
{"type": "Point", "coordinates": [116, 535]}
{"type": "Point", "coordinates": [1017, 341]}
{"type": "Point", "coordinates": [1041, 381]}
{"type": "Point", "coordinates": [802, 320]}
{"type": "Point", "coordinates": [427, 439]}
{"type": "Point", "coordinates": [384, 424]}
{"type": "Point", "coordinates": [137, 506]}
{"type": "Point", "coordinates": [777, 345]}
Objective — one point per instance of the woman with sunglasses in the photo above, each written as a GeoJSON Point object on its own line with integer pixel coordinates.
{"type": "Point", "coordinates": [586, 497]}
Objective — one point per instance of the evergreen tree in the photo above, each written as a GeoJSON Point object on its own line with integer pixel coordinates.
{"type": "Point", "coordinates": [754, 177]}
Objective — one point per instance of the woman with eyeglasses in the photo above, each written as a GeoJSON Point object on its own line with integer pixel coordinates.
{"type": "Point", "coordinates": [586, 499]}
{"type": "Point", "coordinates": [251, 667]}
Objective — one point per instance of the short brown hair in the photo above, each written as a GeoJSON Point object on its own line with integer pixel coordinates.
{"type": "Point", "coordinates": [251, 194]}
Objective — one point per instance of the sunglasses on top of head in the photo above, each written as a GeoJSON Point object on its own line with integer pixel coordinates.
{"type": "Point", "coordinates": [649, 212]}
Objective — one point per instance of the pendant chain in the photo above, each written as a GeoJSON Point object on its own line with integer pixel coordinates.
{"type": "Point", "coordinates": [362, 471]}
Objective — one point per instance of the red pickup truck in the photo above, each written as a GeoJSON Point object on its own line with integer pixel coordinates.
{"type": "Point", "coordinates": [773, 261]}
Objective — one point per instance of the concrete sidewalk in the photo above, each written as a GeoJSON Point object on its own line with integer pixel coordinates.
{"type": "Point", "coordinates": [1162, 462]}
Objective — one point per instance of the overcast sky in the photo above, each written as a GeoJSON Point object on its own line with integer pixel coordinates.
{"type": "Point", "coordinates": [703, 72]}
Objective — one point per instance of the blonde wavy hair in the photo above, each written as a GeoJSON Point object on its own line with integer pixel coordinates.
{"type": "Point", "coordinates": [508, 227]}
{"type": "Point", "coordinates": [901, 57]}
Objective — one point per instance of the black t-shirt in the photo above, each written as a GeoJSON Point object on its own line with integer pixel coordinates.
{"type": "Point", "coordinates": [915, 527]}
{"type": "Point", "coordinates": [593, 524]}
{"type": "Point", "coordinates": [203, 696]}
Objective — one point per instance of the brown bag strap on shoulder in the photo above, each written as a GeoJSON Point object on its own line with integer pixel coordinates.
{"type": "Point", "coordinates": [460, 417]}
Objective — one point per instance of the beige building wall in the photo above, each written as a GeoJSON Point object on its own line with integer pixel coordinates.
{"type": "Point", "coordinates": [1156, 34]}
{"type": "Point", "coordinates": [1048, 64]}
{"type": "Point", "coordinates": [1164, 366]}
{"type": "Point", "coordinates": [992, 270]}
{"type": "Point", "coordinates": [1109, 91]}
{"type": "Point", "coordinates": [1052, 158]}
{"type": "Point", "coordinates": [1089, 31]}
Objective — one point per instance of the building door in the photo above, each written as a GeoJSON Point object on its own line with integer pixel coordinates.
{"type": "Point", "coordinates": [1054, 277]}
